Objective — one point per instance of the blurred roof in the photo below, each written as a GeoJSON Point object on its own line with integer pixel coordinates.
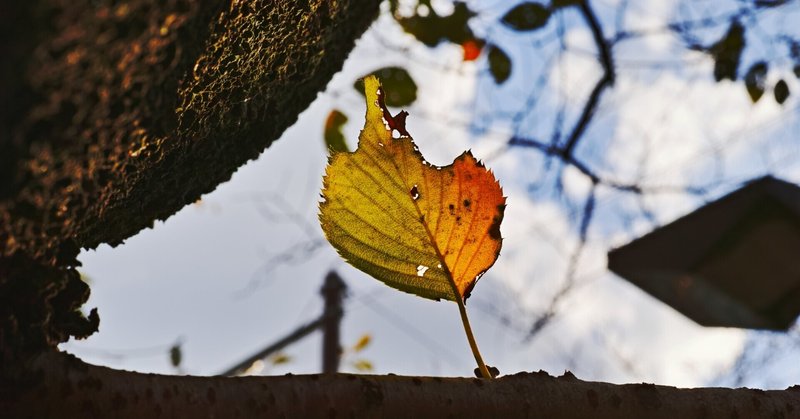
{"type": "Point", "coordinates": [734, 262]}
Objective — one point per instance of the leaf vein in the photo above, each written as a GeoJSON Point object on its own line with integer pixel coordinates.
{"type": "Point", "coordinates": [466, 237]}
{"type": "Point", "coordinates": [376, 229]}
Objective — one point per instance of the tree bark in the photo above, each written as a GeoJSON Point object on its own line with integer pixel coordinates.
{"type": "Point", "coordinates": [58, 385]}
{"type": "Point", "coordinates": [114, 114]}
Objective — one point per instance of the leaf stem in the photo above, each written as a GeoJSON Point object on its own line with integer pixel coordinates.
{"type": "Point", "coordinates": [462, 309]}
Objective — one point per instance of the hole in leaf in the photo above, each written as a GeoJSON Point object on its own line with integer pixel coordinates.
{"type": "Point", "coordinates": [414, 193]}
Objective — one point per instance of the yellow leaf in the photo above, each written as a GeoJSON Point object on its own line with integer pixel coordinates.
{"type": "Point", "coordinates": [427, 230]}
{"type": "Point", "coordinates": [362, 343]}
{"type": "Point", "coordinates": [363, 365]}
{"type": "Point", "coordinates": [280, 358]}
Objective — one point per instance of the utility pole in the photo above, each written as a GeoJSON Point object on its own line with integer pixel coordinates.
{"type": "Point", "coordinates": [333, 292]}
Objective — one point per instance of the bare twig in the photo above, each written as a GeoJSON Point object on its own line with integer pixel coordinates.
{"type": "Point", "coordinates": [607, 80]}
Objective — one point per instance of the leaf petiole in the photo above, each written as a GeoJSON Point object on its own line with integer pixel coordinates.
{"type": "Point", "coordinates": [462, 309]}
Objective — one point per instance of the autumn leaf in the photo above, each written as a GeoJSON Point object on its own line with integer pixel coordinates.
{"type": "Point", "coordinates": [363, 365]}
{"type": "Point", "coordinates": [415, 226]}
{"type": "Point", "coordinates": [362, 343]}
{"type": "Point", "coordinates": [472, 49]}
{"type": "Point", "coordinates": [423, 229]}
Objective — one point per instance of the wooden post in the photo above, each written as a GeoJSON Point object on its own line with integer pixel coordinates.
{"type": "Point", "coordinates": [333, 292]}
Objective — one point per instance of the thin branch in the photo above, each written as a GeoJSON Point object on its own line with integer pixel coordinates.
{"type": "Point", "coordinates": [292, 337]}
{"type": "Point", "coordinates": [606, 81]}
{"type": "Point", "coordinates": [603, 46]}
{"type": "Point", "coordinates": [597, 179]}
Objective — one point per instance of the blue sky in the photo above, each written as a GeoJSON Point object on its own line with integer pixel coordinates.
{"type": "Point", "coordinates": [243, 267]}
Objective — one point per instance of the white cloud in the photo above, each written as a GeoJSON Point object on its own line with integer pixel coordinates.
{"type": "Point", "coordinates": [671, 130]}
{"type": "Point", "coordinates": [576, 184]}
{"type": "Point", "coordinates": [574, 73]}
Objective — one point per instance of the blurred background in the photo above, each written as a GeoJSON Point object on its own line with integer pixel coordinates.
{"type": "Point", "coordinates": [603, 120]}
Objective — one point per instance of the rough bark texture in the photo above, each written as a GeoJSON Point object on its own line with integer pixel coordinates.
{"type": "Point", "coordinates": [114, 114]}
{"type": "Point", "coordinates": [62, 386]}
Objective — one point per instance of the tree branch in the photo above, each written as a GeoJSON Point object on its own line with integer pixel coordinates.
{"type": "Point", "coordinates": [63, 386]}
{"type": "Point", "coordinates": [128, 112]}
{"type": "Point", "coordinates": [597, 179]}
{"type": "Point", "coordinates": [606, 81]}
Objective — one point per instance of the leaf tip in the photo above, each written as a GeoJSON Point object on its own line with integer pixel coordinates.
{"type": "Point", "coordinates": [377, 110]}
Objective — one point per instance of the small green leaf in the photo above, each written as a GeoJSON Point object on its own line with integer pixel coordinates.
{"type": "Point", "coordinates": [499, 64]}
{"type": "Point", "coordinates": [334, 138]}
{"type": "Point", "coordinates": [527, 16]}
{"type": "Point", "coordinates": [363, 365]}
{"type": "Point", "coordinates": [727, 52]}
{"type": "Point", "coordinates": [400, 87]}
{"type": "Point", "coordinates": [424, 28]}
{"type": "Point", "coordinates": [280, 359]}
{"type": "Point", "coordinates": [175, 355]}
{"type": "Point", "coordinates": [781, 91]}
{"type": "Point", "coordinates": [560, 4]}
{"type": "Point", "coordinates": [431, 29]}
{"type": "Point", "coordinates": [755, 80]}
